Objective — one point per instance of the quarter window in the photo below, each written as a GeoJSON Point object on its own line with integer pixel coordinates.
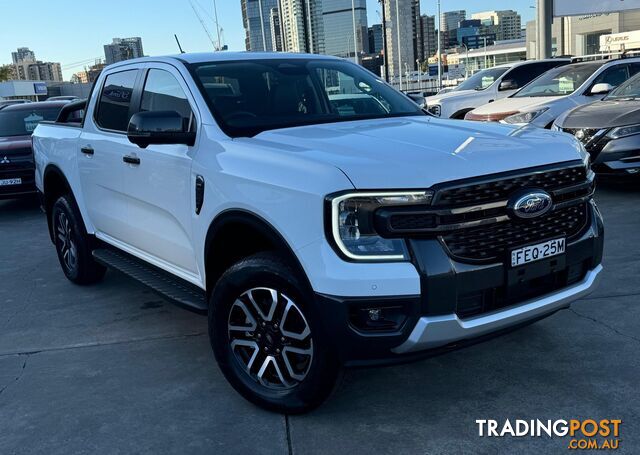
{"type": "Point", "coordinates": [115, 100]}
{"type": "Point", "coordinates": [162, 92]}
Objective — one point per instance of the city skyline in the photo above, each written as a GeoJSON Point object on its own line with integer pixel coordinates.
{"type": "Point", "coordinates": [168, 17]}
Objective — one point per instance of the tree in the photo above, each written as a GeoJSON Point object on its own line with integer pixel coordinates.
{"type": "Point", "coordinates": [6, 73]}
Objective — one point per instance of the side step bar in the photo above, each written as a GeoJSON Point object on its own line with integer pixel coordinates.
{"type": "Point", "coordinates": [176, 290]}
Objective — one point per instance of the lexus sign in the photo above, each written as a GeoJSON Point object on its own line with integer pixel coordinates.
{"type": "Point", "coordinates": [582, 7]}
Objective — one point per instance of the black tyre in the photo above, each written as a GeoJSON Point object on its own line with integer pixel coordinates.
{"type": "Point", "coordinates": [73, 244]}
{"type": "Point", "coordinates": [266, 339]}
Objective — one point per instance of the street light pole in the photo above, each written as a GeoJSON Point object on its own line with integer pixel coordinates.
{"type": "Point", "coordinates": [466, 60]}
{"type": "Point", "coordinates": [264, 36]}
{"type": "Point", "coordinates": [419, 74]}
{"type": "Point", "coordinates": [398, 38]}
{"type": "Point", "coordinates": [355, 45]}
{"type": "Point", "coordinates": [484, 38]}
{"type": "Point", "coordinates": [439, 48]}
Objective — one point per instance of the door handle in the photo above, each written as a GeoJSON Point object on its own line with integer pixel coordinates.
{"type": "Point", "coordinates": [130, 159]}
{"type": "Point", "coordinates": [87, 150]}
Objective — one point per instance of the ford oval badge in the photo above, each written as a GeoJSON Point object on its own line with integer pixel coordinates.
{"type": "Point", "coordinates": [530, 204]}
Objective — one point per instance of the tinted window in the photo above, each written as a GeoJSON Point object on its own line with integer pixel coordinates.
{"type": "Point", "coordinates": [560, 81]}
{"type": "Point", "coordinates": [22, 122]}
{"type": "Point", "coordinates": [627, 90]}
{"type": "Point", "coordinates": [115, 99]}
{"type": "Point", "coordinates": [524, 74]}
{"type": "Point", "coordinates": [482, 79]}
{"type": "Point", "coordinates": [162, 92]}
{"type": "Point", "coordinates": [248, 97]}
{"type": "Point", "coordinates": [613, 76]}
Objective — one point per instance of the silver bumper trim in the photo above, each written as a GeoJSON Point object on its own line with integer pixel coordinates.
{"type": "Point", "coordinates": [435, 331]}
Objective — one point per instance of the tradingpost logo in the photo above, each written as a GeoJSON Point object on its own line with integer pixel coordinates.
{"type": "Point", "coordinates": [585, 434]}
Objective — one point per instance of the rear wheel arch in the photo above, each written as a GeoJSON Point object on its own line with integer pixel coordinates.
{"type": "Point", "coordinates": [55, 184]}
{"type": "Point", "coordinates": [236, 234]}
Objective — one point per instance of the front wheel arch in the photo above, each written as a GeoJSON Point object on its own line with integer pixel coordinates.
{"type": "Point", "coordinates": [236, 234]}
{"type": "Point", "coordinates": [459, 115]}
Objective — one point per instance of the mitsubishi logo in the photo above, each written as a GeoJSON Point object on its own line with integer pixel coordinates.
{"type": "Point", "coordinates": [5, 160]}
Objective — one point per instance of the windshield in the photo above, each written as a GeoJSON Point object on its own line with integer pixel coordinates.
{"type": "Point", "coordinates": [560, 81]}
{"type": "Point", "coordinates": [627, 90]}
{"type": "Point", "coordinates": [22, 122]}
{"type": "Point", "coordinates": [248, 97]}
{"type": "Point", "coordinates": [482, 79]}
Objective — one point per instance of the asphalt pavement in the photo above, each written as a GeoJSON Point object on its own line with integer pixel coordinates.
{"type": "Point", "coordinates": [114, 369]}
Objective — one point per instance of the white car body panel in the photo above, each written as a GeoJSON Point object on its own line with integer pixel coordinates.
{"type": "Point", "coordinates": [555, 105]}
{"type": "Point", "coordinates": [452, 102]}
{"type": "Point", "coordinates": [281, 176]}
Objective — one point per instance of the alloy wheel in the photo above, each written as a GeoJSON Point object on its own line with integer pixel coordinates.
{"type": "Point", "coordinates": [66, 242]}
{"type": "Point", "coordinates": [270, 338]}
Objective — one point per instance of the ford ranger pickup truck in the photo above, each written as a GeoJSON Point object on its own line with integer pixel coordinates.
{"type": "Point", "coordinates": [319, 217]}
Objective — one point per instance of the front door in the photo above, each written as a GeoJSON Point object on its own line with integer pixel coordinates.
{"type": "Point", "coordinates": [160, 188]}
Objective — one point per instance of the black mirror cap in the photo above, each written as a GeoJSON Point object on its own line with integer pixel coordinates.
{"type": "Point", "coordinates": [159, 127]}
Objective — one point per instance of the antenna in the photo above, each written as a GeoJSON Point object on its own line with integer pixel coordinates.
{"type": "Point", "coordinates": [178, 41]}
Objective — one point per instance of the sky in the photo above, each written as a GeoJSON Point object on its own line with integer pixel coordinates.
{"type": "Point", "coordinates": [73, 32]}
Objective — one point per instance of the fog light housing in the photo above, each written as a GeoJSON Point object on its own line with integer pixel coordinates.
{"type": "Point", "coordinates": [378, 319]}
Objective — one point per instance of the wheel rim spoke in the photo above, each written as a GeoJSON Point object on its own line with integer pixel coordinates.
{"type": "Point", "coordinates": [270, 338]}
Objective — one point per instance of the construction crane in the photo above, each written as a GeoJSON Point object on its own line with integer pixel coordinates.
{"type": "Point", "coordinates": [204, 26]}
{"type": "Point", "coordinates": [219, 44]}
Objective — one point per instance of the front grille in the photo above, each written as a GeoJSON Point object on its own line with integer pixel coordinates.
{"type": "Point", "coordinates": [493, 241]}
{"type": "Point", "coordinates": [496, 190]}
{"type": "Point", "coordinates": [16, 159]}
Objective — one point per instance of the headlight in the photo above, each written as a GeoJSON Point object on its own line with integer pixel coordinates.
{"type": "Point", "coordinates": [525, 117]}
{"type": "Point", "coordinates": [623, 131]}
{"type": "Point", "coordinates": [352, 225]}
{"type": "Point", "coordinates": [434, 109]}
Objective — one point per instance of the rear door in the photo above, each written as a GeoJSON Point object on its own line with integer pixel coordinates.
{"type": "Point", "coordinates": [160, 190]}
{"type": "Point", "coordinates": [102, 145]}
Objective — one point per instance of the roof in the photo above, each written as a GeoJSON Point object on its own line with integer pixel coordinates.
{"type": "Point", "coordinates": [31, 106]}
{"type": "Point", "coordinates": [224, 56]}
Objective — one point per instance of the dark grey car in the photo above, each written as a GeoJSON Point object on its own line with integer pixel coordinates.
{"type": "Point", "coordinates": [609, 130]}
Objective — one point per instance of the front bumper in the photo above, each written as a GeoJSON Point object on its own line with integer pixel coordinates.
{"type": "Point", "coordinates": [438, 319]}
{"type": "Point", "coordinates": [25, 173]}
{"type": "Point", "coordinates": [618, 157]}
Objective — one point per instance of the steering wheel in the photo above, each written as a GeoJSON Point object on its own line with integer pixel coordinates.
{"type": "Point", "coordinates": [232, 116]}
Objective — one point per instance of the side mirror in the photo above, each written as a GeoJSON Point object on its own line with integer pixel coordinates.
{"type": "Point", "coordinates": [159, 127]}
{"type": "Point", "coordinates": [418, 99]}
{"type": "Point", "coordinates": [507, 84]}
{"type": "Point", "coordinates": [601, 89]}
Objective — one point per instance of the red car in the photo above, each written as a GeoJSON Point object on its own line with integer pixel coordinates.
{"type": "Point", "coordinates": [17, 122]}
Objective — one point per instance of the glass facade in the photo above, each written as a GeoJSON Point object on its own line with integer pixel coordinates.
{"type": "Point", "coordinates": [256, 16]}
{"type": "Point", "coordinates": [338, 27]}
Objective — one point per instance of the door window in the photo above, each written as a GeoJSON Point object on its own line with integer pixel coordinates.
{"type": "Point", "coordinates": [613, 76]}
{"type": "Point", "coordinates": [162, 92]}
{"type": "Point", "coordinates": [524, 74]}
{"type": "Point", "coordinates": [115, 100]}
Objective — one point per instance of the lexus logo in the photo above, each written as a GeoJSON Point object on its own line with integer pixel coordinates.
{"type": "Point", "coordinates": [5, 160]}
{"type": "Point", "coordinates": [530, 204]}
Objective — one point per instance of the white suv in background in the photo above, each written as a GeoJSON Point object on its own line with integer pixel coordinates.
{"type": "Point", "coordinates": [557, 91]}
{"type": "Point", "coordinates": [487, 86]}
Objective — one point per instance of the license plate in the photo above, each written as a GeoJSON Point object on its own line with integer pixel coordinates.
{"type": "Point", "coordinates": [537, 252]}
{"type": "Point", "coordinates": [7, 182]}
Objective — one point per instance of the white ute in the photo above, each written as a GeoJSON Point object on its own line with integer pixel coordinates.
{"type": "Point", "coordinates": [318, 216]}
